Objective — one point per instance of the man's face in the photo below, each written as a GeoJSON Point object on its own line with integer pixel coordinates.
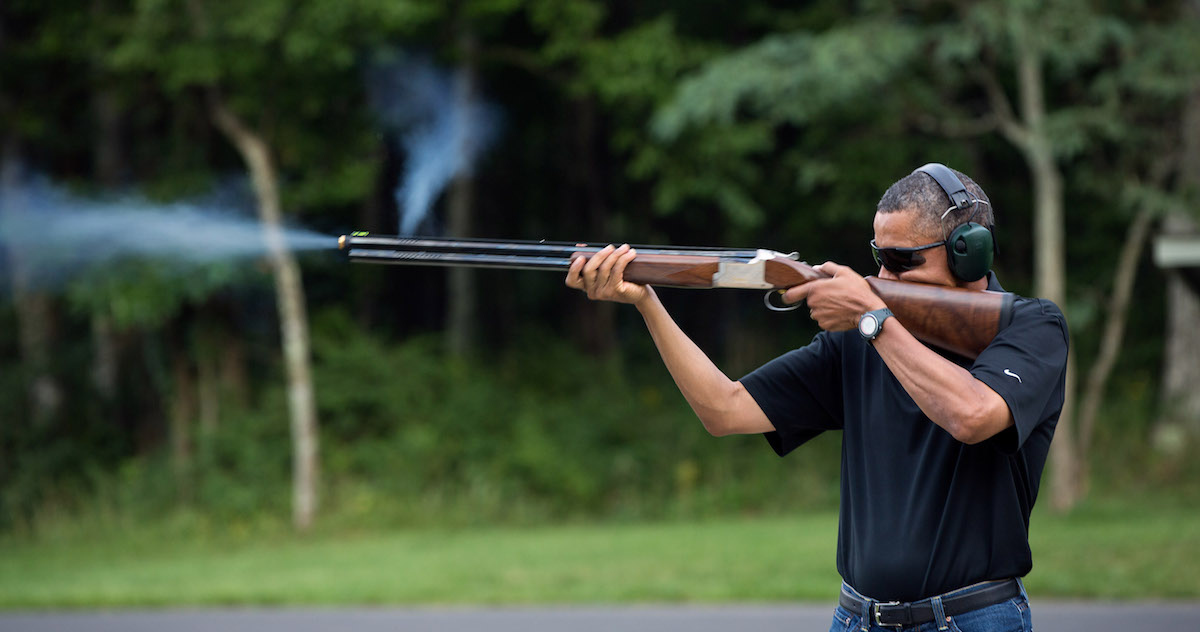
{"type": "Point", "coordinates": [899, 230]}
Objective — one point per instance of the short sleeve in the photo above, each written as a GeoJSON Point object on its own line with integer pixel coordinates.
{"type": "Point", "coordinates": [1026, 365]}
{"type": "Point", "coordinates": [800, 392]}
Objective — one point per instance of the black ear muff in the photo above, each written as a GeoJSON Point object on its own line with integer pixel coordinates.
{"type": "Point", "coordinates": [971, 247]}
{"type": "Point", "coordinates": [969, 251]}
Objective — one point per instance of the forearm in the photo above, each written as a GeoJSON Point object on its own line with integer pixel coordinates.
{"type": "Point", "coordinates": [723, 405]}
{"type": "Point", "coordinates": [948, 394]}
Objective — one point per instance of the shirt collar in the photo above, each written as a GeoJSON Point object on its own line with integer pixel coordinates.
{"type": "Point", "coordinates": [993, 282]}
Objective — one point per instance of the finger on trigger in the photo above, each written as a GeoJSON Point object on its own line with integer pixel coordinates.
{"type": "Point", "coordinates": [798, 293]}
{"type": "Point", "coordinates": [831, 268]}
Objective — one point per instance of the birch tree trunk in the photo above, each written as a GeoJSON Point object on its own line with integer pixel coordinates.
{"type": "Point", "coordinates": [1066, 488]}
{"type": "Point", "coordinates": [1027, 131]}
{"type": "Point", "coordinates": [293, 320]}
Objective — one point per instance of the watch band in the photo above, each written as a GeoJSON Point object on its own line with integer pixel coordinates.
{"type": "Point", "coordinates": [878, 316]}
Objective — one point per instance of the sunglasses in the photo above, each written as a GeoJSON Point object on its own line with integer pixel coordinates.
{"type": "Point", "coordinates": [901, 259]}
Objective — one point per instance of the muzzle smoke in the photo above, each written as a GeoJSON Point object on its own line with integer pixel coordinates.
{"type": "Point", "coordinates": [440, 126]}
{"type": "Point", "coordinates": [54, 235]}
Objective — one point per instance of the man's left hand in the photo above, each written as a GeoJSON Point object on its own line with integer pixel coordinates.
{"type": "Point", "coordinates": [836, 303]}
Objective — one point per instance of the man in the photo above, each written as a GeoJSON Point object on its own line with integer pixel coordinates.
{"type": "Point", "coordinates": [941, 456]}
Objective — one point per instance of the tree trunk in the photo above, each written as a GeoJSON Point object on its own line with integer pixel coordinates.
{"type": "Point", "coordinates": [1066, 488]}
{"type": "Point", "coordinates": [597, 320]}
{"type": "Point", "coordinates": [108, 165]}
{"type": "Point", "coordinates": [34, 310]}
{"type": "Point", "coordinates": [293, 320]}
{"type": "Point", "coordinates": [235, 385]}
{"type": "Point", "coordinates": [105, 365]}
{"type": "Point", "coordinates": [182, 412]}
{"type": "Point", "coordinates": [1049, 248]}
{"type": "Point", "coordinates": [1179, 420]}
{"type": "Point", "coordinates": [208, 372]}
{"type": "Point", "coordinates": [1112, 338]}
{"type": "Point", "coordinates": [1181, 372]}
{"type": "Point", "coordinates": [109, 158]}
{"type": "Point", "coordinates": [461, 308]}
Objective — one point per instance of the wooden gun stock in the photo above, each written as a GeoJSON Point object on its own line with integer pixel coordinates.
{"type": "Point", "coordinates": [959, 321]}
{"type": "Point", "coordinates": [963, 322]}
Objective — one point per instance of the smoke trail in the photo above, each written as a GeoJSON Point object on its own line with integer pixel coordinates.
{"type": "Point", "coordinates": [441, 132]}
{"type": "Point", "coordinates": [56, 235]}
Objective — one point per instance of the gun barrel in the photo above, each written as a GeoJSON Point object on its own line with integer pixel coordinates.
{"type": "Point", "coordinates": [367, 248]}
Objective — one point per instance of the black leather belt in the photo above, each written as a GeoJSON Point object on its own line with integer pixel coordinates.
{"type": "Point", "coordinates": [898, 614]}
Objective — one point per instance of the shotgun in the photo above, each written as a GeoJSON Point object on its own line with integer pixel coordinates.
{"type": "Point", "coordinates": [956, 320]}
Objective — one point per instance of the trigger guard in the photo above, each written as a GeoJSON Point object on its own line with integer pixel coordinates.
{"type": "Point", "coordinates": [780, 306]}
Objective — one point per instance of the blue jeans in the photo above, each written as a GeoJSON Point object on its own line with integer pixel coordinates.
{"type": "Point", "coordinates": [1011, 615]}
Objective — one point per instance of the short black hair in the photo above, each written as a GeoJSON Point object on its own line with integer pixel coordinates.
{"type": "Point", "coordinates": [919, 192]}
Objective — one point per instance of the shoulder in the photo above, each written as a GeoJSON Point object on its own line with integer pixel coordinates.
{"type": "Point", "coordinates": [1026, 364]}
{"type": "Point", "coordinates": [1037, 314]}
{"type": "Point", "coordinates": [1035, 341]}
{"type": "Point", "coordinates": [825, 344]}
{"type": "Point", "coordinates": [1027, 311]}
{"type": "Point", "coordinates": [821, 356]}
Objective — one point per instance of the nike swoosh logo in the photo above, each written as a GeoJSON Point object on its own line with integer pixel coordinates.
{"type": "Point", "coordinates": [1014, 375]}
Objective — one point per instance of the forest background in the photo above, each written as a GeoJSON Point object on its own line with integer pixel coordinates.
{"type": "Point", "coordinates": [230, 384]}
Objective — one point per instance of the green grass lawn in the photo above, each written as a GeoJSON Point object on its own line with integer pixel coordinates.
{"type": "Point", "coordinates": [1113, 553]}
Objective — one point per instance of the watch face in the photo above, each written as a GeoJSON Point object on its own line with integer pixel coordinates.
{"type": "Point", "coordinates": [868, 325]}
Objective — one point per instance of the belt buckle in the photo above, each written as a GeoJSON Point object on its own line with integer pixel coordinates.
{"type": "Point", "coordinates": [877, 605]}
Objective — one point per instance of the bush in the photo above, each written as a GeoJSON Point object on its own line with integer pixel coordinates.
{"type": "Point", "coordinates": [539, 432]}
{"type": "Point", "coordinates": [535, 433]}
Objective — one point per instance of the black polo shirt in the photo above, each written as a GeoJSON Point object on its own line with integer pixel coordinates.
{"type": "Point", "coordinates": [921, 512]}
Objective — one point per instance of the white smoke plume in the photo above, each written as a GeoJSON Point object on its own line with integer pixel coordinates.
{"type": "Point", "coordinates": [441, 131]}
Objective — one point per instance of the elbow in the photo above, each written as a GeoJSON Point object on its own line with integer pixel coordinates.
{"type": "Point", "coordinates": [968, 433]}
{"type": "Point", "coordinates": [978, 418]}
{"type": "Point", "coordinates": [730, 412]}
{"type": "Point", "coordinates": [716, 425]}
{"type": "Point", "coordinates": [712, 407]}
{"type": "Point", "coordinates": [979, 425]}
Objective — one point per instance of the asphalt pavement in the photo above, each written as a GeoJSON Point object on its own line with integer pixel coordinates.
{"type": "Point", "coordinates": [1048, 617]}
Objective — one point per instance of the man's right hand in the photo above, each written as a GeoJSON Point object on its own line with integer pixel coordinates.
{"type": "Point", "coordinates": [601, 276]}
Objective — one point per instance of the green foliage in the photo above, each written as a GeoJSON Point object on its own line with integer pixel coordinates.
{"type": "Point", "coordinates": [239, 476]}
{"type": "Point", "coordinates": [741, 126]}
{"type": "Point", "coordinates": [235, 44]}
{"type": "Point", "coordinates": [293, 68]}
{"type": "Point", "coordinates": [709, 168]}
{"type": "Point", "coordinates": [792, 78]}
{"type": "Point", "coordinates": [147, 295]}
{"type": "Point", "coordinates": [528, 436]}
{"type": "Point", "coordinates": [410, 439]}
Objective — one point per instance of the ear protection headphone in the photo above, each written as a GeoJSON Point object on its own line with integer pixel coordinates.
{"type": "Point", "coordinates": [970, 247]}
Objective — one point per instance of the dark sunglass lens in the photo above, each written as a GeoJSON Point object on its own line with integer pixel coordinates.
{"type": "Point", "coordinates": [915, 260]}
{"type": "Point", "coordinates": [900, 261]}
